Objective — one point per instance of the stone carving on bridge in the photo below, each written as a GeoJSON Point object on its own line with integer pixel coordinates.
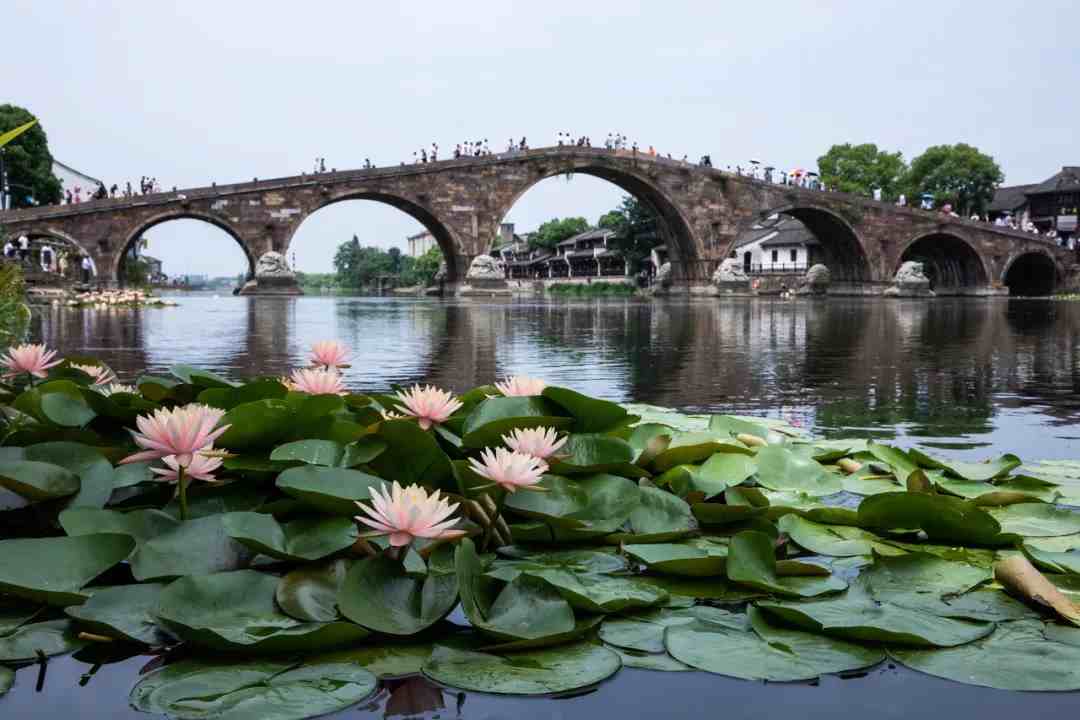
{"type": "Point", "coordinates": [910, 281]}
{"type": "Point", "coordinates": [485, 267]}
{"type": "Point", "coordinates": [272, 277]}
{"type": "Point", "coordinates": [730, 277]}
{"type": "Point", "coordinates": [816, 282]}
{"type": "Point", "coordinates": [272, 264]}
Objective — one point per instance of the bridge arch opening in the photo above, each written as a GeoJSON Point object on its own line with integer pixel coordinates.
{"type": "Point", "coordinates": [950, 262]}
{"type": "Point", "coordinates": [58, 253]}
{"type": "Point", "coordinates": [832, 242]}
{"type": "Point", "coordinates": [612, 226]}
{"type": "Point", "coordinates": [1031, 274]}
{"type": "Point", "coordinates": [183, 250]}
{"type": "Point", "coordinates": [373, 241]}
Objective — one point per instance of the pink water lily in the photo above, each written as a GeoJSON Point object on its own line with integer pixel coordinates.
{"type": "Point", "coordinates": [181, 432]}
{"type": "Point", "coordinates": [317, 382]}
{"type": "Point", "coordinates": [200, 468]}
{"type": "Point", "coordinates": [430, 405]}
{"type": "Point", "coordinates": [409, 513]}
{"type": "Point", "coordinates": [521, 386]}
{"type": "Point", "coordinates": [329, 354]}
{"type": "Point", "coordinates": [542, 442]}
{"type": "Point", "coordinates": [100, 374]}
{"type": "Point", "coordinates": [32, 359]}
{"type": "Point", "coordinates": [511, 470]}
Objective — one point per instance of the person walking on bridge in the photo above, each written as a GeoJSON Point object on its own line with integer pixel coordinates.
{"type": "Point", "coordinates": [87, 266]}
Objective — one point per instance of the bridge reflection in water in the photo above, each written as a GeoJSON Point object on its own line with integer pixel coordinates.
{"type": "Point", "coordinates": [944, 367]}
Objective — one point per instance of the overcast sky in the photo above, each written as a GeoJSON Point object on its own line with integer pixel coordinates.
{"type": "Point", "coordinates": [194, 91]}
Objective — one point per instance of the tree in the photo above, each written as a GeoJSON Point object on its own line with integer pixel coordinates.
{"type": "Point", "coordinates": [958, 174]}
{"type": "Point", "coordinates": [555, 231]}
{"type": "Point", "coordinates": [634, 224]}
{"type": "Point", "coordinates": [27, 161]}
{"type": "Point", "coordinates": [421, 270]}
{"type": "Point", "coordinates": [861, 169]}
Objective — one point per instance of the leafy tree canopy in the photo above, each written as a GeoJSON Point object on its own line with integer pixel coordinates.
{"type": "Point", "coordinates": [27, 161]}
{"type": "Point", "coordinates": [555, 231]}
{"type": "Point", "coordinates": [958, 174]}
{"type": "Point", "coordinates": [861, 169]}
{"type": "Point", "coordinates": [356, 266]}
{"type": "Point", "coordinates": [635, 226]}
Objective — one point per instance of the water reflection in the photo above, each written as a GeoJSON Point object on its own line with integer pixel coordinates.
{"type": "Point", "coordinates": [959, 369]}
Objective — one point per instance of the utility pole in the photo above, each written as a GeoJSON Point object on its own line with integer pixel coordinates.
{"type": "Point", "coordinates": [3, 180]}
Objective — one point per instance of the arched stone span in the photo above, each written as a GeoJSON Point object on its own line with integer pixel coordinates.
{"type": "Point", "coordinates": [443, 235]}
{"type": "Point", "coordinates": [54, 234]}
{"type": "Point", "coordinates": [842, 250]}
{"type": "Point", "coordinates": [132, 237]}
{"type": "Point", "coordinates": [1032, 273]}
{"type": "Point", "coordinates": [952, 264]}
{"type": "Point", "coordinates": [673, 225]}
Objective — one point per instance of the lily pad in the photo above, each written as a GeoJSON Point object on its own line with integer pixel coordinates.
{"type": "Point", "coordinates": [195, 547]}
{"type": "Point", "coordinates": [659, 517]}
{"type": "Point", "coordinates": [497, 416]}
{"type": "Point", "coordinates": [601, 593]}
{"type": "Point", "coordinates": [257, 424]}
{"type": "Point", "coordinates": [834, 540]}
{"type": "Point", "coordinates": [644, 632]}
{"type": "Point", "coordinates": [312, 452]}
{"type": "Point", "coordinates": [979, 472]}
{"type": "Point", "coordinates": [752, 562]}
{"type": "Point", "coordinates": [38, 481]}
{"type": "Point", "coordinates": [1057, 562]}
{"type": "Point", "coordinates": [515, 560]}
{"type": "Point", "coordinates": [235, 611]}
{"type": "Point", "coordinates": [380, 594]}
{"type": "Point", "coordinates": [942, 518]}
{"type": "Point", "coordinates": [412, 455]}
{"type": "Point", "coordinates": [901, 462]}
{"type": "Point", "coordinates": [7, 679]}
{"type": "Point", "coordinates": [694, 447]}
{"type": "Point", "coordinates": [124, 612]}
{"type": "Point", "coordinates": [1037, 519]}
{"type": "Point", "coordinates": [767, 652]}
{"type": "Point", "coordinates": [195, 689]}
{"type": "Point", "coordinates": [535, 672]}
{"type": "Point", "coordinates": [588, 453]}
{"type": "Point", "coordinates": [305, 539]}
{"type": "Point", "coordinates": [598, 503]}
{"type": "Point", "coordinates": [1017, 656]}
{"type": "Point", "coordinates": [691, 558]}
{"type": "Point", "coordinates": [310, 593]}
{"type": "Point", "coordinates": [53, 637]}
{"type": "Point", "coordinates": [591, 415]}
{"type": "Point", "coordinates": [331, 490]}
{"type": "Point", "coordinates": [385, 660]}
{"type": "Point", "coordinates": [781, 469]}
{"type": "Point", "coordinates": [53, 570]}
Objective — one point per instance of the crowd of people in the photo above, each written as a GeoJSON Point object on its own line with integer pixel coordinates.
{"type": "Point", "coordinates": [147, 186]}
{"type": "Point", "coordinates": [69, 263]}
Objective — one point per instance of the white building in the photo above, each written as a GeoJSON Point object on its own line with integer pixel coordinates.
{"type": "Point", "coordinates": [420, 243]}
{"type": "Point", "coordinates": [70, 178]}
{"type": "Point", "coordinates": [779, 244]}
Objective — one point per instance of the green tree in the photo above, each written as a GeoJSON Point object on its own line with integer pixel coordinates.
{"type": "Point", "coordinates": [634, 224]}
{"type": "Point", "coordinates": [957, 174]}
{"type": "Point", "coordinates": [556, 230]}
{"type": "Point", "coordinates": [27, 161]}
{"type": "Point", "coordinates": [422, 270]}
{"type": "Point", "coordinates": [861, 169]}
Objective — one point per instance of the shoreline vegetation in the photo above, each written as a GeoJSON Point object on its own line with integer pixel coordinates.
{"type": "Point", "coordinates": [273, 517]}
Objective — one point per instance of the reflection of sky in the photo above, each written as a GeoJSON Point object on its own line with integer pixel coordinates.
{"type": "Point", "coordinates": [967, 376]}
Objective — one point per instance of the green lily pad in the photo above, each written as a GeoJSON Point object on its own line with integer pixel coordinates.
{"type": "Point", "coordinates": [310, 593]}
{"type": "Point", "coordinates": [14, 613]}
{"type": "Point", "coordinates": [767, 652]}
{"type": "Point", "coordinates": [412, 455]}
{"type": "Point", "coordinates": [305, 539]}
{"type": "Point", "coordinates": [591, 415]}
{"type": "Point", "coordinates": [1055, 562]}
{"type": "Point", "coordinates": [588, 453]}
{"type": "Point", "coordinates": [834, 540]}
{"type": "Point", "coordinates": [659, 517]}
{"type": "Point", "coordinates": [1037, 519]}
{"type": "Point", "coordinates": [929, 583]}
{"type": "Point", "coordinates": [720, 514]}
{"type": "Point", "coordinates": [942, 518]}
{"type": "Point", "coordinates": [124, 612]}
{"type": "Point", "coordinates": [661, 662]}
{"type": "Point", "coordinates": [722, 471]}
{"type": "Point", "coordinates": [525, 609]}
{"type": "Point", "coordinates": [752, 562]}
{"type": "Point", "coordinates": [856, 616]}
{"type": "Point", "coordinates": [331, 490]}
{"type": "Point", "coordinates": [138, 524]}
{"type": "Point", "coordinates": [979, 472]}
{"type": "Point", "coordinates": [258, 424]}
{"type": "Point", "coordinates": [38, 481]}
{"type": "Point", "coordinates": [597, 503]}
{"type": "Point", "coordinates": [196, 689]}
{"type": "Point", "coordinates": [644, 632]}
{"type": "Point", "coordinates": [717, 589]}
{"type": "Point", "coordinates": [497, 416]}
{"type": "Point", "coordinates": [514, 560]}
{"type": "Point", "coordinates": [54, 570]}
{"type": "Point", "coordinates": [380, 594]}
{"type": "Point", "coordinates": [1017, 490]}
{"type": "Point", "coordinates": [386, 660]}
{"type": "Point", "coordinates": [1017, 656]}
{"type": "Point", "coordinates": [601, 593]}
{"type": "Point", "coordinates": [691, 558]}
{"type": "Point", "coordinates": [53, 637]}
{"type": "Point", "coordinates": [7, 680]}
{"type": "Point", "coordinates": [901, 462]}
{"type": "Point", "coordinates": [781, 469]}
{"type": "Point", "coordinates": [694, 447]}
{"type": "Point", "coordinates": [235, 611]}
{"type": "Point", "coordinates": [313, 452]}
{"type": "Point", "coordinates": [535, 672]}
{"type": "Point", "coordinates": [196, 547]}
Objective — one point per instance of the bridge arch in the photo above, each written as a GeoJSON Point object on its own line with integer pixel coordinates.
{"type": "Point", "coordinates": [673, 225]}
{"type": "Point", "coordinates": [63, 237]}
{"type": "Point", "coordinates": [1031, 272]}
{"type": "Point", "coordinates": [451, 249]}
{"type": "Point", "coordinates": [951, 262]}
{"type": "Point", "coordinates": [842, 250]}
{"type": "Point", "coordinates": [117, 261]}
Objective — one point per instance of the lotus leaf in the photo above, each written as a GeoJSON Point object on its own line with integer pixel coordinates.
{"type": "Point", "coordinates": [304, 539]}
{"type": "Point", "coordinates": [1017, 656]}
{"type": "Point", "coordinates": [752, 562]}
{"type": "Point", "coordinates": [968, 470]}
{"type": "Point", "coordinates": [386, 660]}
{"type": "Point", "coordinates": [767, 652]}
{"type": "Point", "coordinates": [1058, 562]}
{"type": "Point", "coordinates": [644, 632]}
{"type": "Point", "coordinates": [202, 378]}
{"type": "Point", "coordinates": [942, 518]}
{"type": "Point", "coordinates": [1037, 519]}
{"type": "Point", "coordinates": [691, 558]}
{"type": "Point", "coordinates": [53, 570]}
{"type": "Point", "coordinates": [195, 689]}
{"type": "Point", "coordinates": [514, 560]}
{"type": "Point", "coordinates": [650, 661]}
{"type": "Point", "coordinates": [310, 593]}
{"type": "Point", "coordinates": [733, 426]}
{"type": "Point", "coordinates": [589, 453]}
{"type": "Point", "coordinates": [596, 503]}
{"type": "Point", "coordinates": [659, 517]}
{"type": "Point", "coordinates": [835, 540]}
{"type": "Point", "coordinates": [313, 452]}
{"type": "Point", "coordinates": [330, 490]}
{"type": "Point", "coordinates": [124, 612]}
{"type": "Point", "coordinates": [601, 593]}
{"type": "Point", "coordinates": [497, 416]}
{"type": "Point", "coordinates": [14, 613]}
{"type": "Point", "coordinates": [694, 447]}
{"type": "Point", "coordinates": [196, 547]}
{"type": "Point", "coordinates": [717, 589]}
{"type": "Point", "coordinates": [53, 637]}
{"type": "Point", "coordinates": [591, 415]}
{"type": "Point", "coordinates": [257, 424]}
{"type": "Point", "coordinates": [720, 514]}
{"type": "Point", "coordinates": [411, 456]}
{"type": "Point", "coordinates": [207, 500]}
{"type": "Point", "coordinates": [535, 672]}
{"type": "Point", "coordinates": [37, 481]}
{"type": "Point", "coordinates": [778, 468]}
{"type": "Point", "coordinates": [902, 463]}
{"type": "Point", "coordinates": [380, 594]}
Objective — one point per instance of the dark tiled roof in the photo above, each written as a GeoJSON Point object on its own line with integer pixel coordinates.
{"type": "Point", "coordinates": [1012, 197]}
{"type": "Point", "coordinates": [785, 231]}
{"type": "Point", "coordinates": [1068, 180]}
{"type": "Point", "coordinates": [599, 233]}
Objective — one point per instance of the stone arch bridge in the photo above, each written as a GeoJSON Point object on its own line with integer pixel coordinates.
{"type": "Point", "coordinates": [462, 202]}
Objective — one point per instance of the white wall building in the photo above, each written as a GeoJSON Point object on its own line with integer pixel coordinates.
{"type": "Point", "coordinates": [778, 244]}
